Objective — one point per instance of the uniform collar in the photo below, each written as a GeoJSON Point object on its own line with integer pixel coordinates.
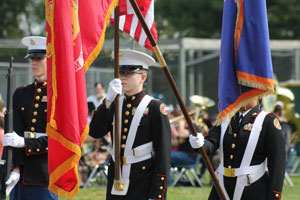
{"type": "Point", "coordinates": [40, 83]}
{"type": "Point", "coordinates": [135, 97]}
{"type": "Point", "coordinates": [252, 112]}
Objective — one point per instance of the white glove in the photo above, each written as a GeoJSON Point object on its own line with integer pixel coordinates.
{"type": "Point", "coordinates": [115, 88]}
{"type": "Point", "coordinates": [196, 141]}
{"type": "Point", "coordinates": [13, 140]}
{"type": "Point", "coordinates": [12, 181]}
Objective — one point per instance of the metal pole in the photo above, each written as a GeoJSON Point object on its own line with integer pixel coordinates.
{"type": "Point", "coordinates": [6, 161]}
{"type": "Point", "coordinates": [117, 183]}
{"type": "Point", "coordinates": [297, 64]}
{"type": "Point", "coordinates": [182, 70]}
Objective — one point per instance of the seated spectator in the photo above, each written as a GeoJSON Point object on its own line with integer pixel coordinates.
{"type": "Point", "coordinates": [93, 151]}
{"type": "Point", "coordinates": [177, 128]}
{"type": "Point", "coordinates": [185, 154]}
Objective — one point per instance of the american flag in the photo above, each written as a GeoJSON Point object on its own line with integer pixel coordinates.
{"type": "Point", "coordinates": [130, 24]}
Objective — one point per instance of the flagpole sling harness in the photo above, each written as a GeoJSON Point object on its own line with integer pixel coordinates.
{"type": "Point", "coordinates": [138, 154]}
{"type": "Point", "coordinates": [246, 174]}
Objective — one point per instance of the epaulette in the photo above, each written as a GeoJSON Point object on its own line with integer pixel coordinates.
{"type": "Point", "coordinates": [156, 100]}
{"type": "Point", "coordinates": [271, 115]}
{"type": "Point", "coordinates": [25, 86]}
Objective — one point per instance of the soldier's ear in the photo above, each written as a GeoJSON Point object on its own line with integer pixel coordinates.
{"type": "Point", "coordinates": [144, 77]}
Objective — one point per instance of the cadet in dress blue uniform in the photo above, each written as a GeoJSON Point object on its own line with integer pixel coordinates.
{"type": "Point", "coordinates": [248, 181]}
{"type": "Point", "coordinates": [29, 178]}
{"type": "Point", "coordinates": [145, 153]}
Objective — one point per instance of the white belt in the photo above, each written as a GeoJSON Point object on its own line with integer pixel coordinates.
{"type": "Point", "coordinates": [28, 134]}
{"type": "Point", "coordinates": [248, 174]}
{"type": "Point", "coordinates": [138, 154]}
{"type": "Point", "coordinates": [132, 155]}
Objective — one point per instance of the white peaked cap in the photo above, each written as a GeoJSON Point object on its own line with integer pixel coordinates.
{"type": "Point", "coordinates": [34, 42]}
{"type": "Point", "coordinates": [133, 57]}
{"type": "Point", "coordinates": [279, 103]}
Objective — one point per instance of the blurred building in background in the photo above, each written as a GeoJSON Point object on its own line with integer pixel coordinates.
{"type": "Point", "coordinates": [193, 63]}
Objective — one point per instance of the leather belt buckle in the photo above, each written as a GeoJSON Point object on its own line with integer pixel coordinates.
{"type": "Point", "coordinates": [30, 134]}
{"type": "Point", "coordinates": [229, 172]}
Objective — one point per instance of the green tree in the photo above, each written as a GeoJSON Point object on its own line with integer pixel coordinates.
{"type": "Point", "coordinates": [284, 19]}
{"type": "Point", "coordinates": [19, 18]}
{"type": "Point", "coordinates": [189, 18]}
{"type": "Point", "coordinates": [203, 18]}
{"type": "Point", "coordinates": [173, 18]}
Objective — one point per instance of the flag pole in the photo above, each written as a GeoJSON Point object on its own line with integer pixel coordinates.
{"type": "Point", "coordinates": [117, 183]}
{"type": "Point", "coordinates": [177, 94]}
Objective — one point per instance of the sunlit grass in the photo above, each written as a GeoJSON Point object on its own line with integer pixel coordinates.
{"type": "Point", "coordinates": [184, 193]}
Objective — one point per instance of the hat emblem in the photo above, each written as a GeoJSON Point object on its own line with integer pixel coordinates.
{"type": "Point", "coordinates": [32, 42]}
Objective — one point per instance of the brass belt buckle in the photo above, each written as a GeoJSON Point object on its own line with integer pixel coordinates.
{"type": "Point", "coordinates": [229, 172]}
{"type": "Point", "coordinates": [248, 179]}
{"type": "Point", "coordinates": [30, 134]}
{"type": "Point", "coordinates": [124, 160]}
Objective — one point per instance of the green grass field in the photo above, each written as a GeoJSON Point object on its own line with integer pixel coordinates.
{"type": "Point", "coordinates": [185, 193]}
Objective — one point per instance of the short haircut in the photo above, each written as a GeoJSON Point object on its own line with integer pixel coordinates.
{"type": "Point", "coordinates": [278, 110]}
{"type": "Point", "coordinates": [95, 85]}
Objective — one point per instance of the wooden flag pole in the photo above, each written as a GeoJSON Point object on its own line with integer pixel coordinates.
{"type": "Point", "coordinates": [177, 94]}
{"type": "Point", "coordinates": [117, 183]}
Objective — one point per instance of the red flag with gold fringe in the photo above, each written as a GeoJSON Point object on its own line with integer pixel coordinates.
{"type": "Point", "coordinates": [74, 39]}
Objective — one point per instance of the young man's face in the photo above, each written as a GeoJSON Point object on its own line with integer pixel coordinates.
{"type": "Point", "coordinates": [250, 105]}
{"type": "Point", "coordinates": [100, 91]}
{"type": "Point", "coordinates": [39, 68]}
{"type": "Point", "coordinates": [132, 82]}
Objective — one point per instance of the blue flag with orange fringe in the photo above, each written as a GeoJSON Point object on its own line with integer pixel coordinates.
{"type": "Point", "coordinates": [245, 66]}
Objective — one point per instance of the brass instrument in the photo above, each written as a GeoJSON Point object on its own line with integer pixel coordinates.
{"type": "Point", "coordinates": [201, 101]}
{"type": "Point", "coordinates": [201, 104]}
{"type": "Point", "coordinates": [175, 119]}
{"type": "Point", "coordinates": [285, 95]}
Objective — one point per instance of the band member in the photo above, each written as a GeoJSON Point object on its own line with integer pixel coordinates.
{"type": "Point", "coordinates": [29, 178]}
{"type": "Point", "coordinates": [145, 132]}
{"type": "Point", "coordinates": [249, 142]}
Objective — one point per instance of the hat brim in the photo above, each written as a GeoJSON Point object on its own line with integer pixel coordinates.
{"type": "Point", "coordinates": [131, 68]}
{"type": "Point", "coordinates": [35, 55]}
